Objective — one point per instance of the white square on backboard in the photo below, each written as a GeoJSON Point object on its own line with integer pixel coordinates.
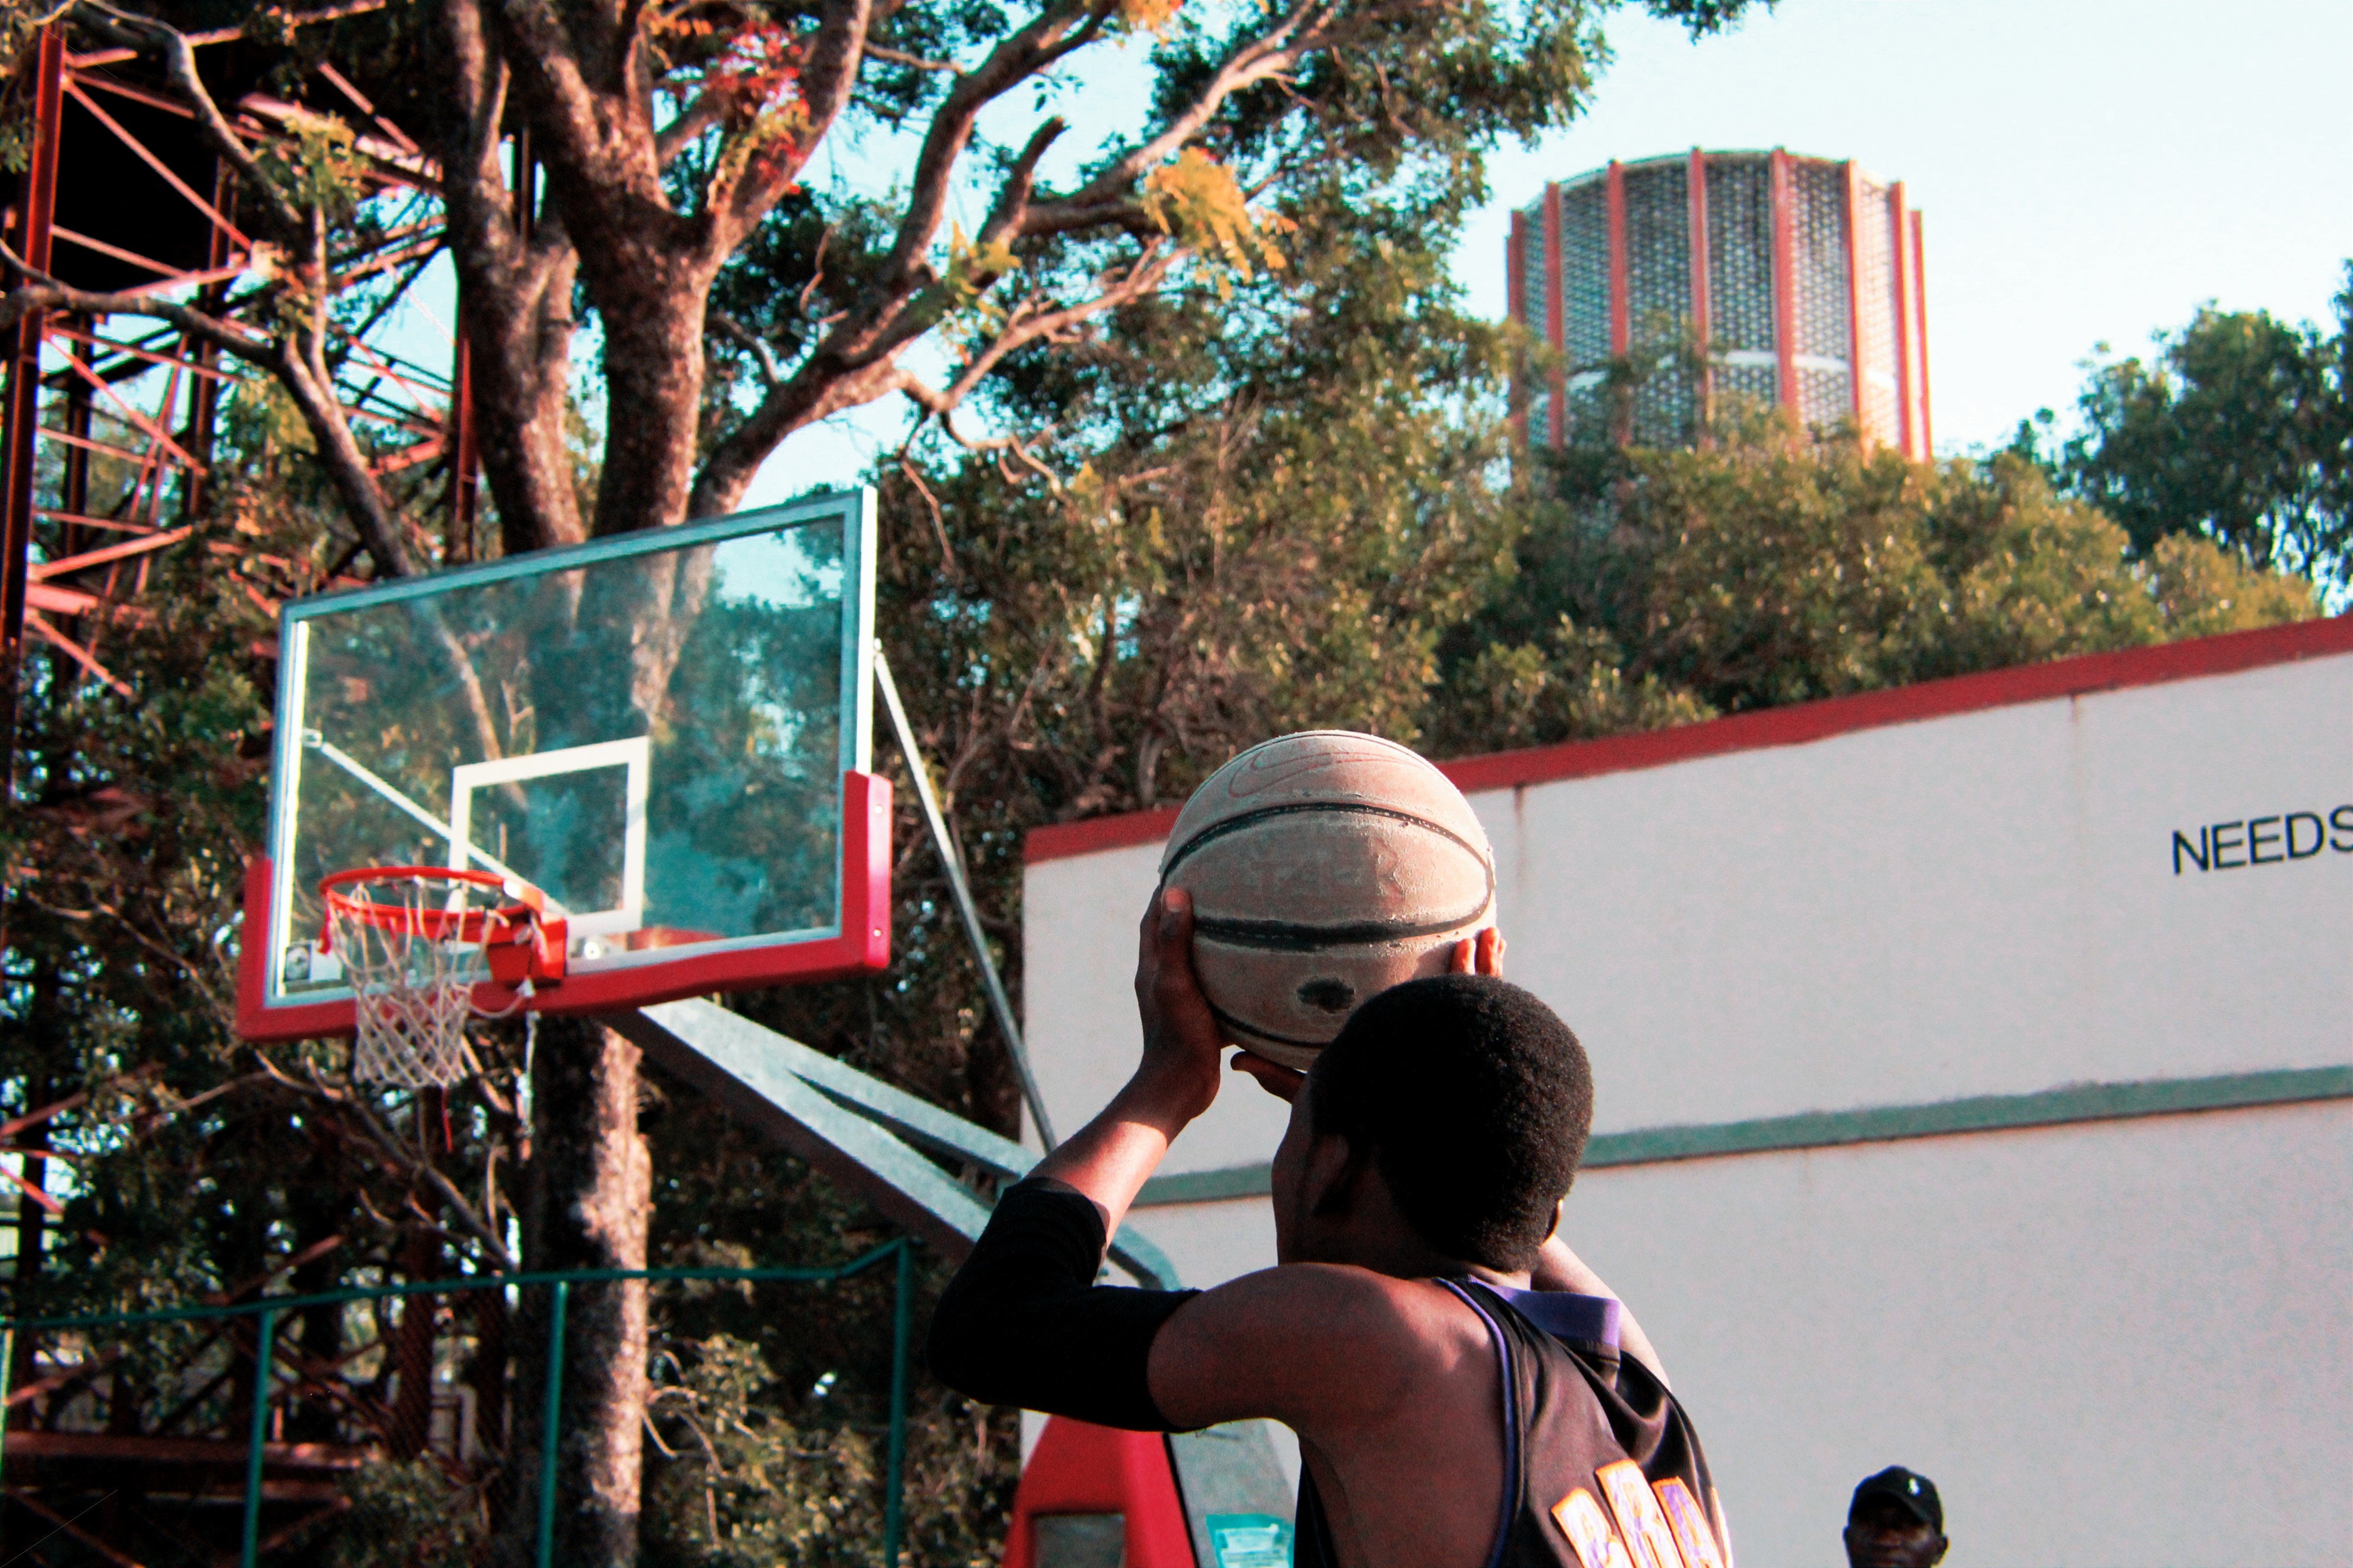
{"type": "Point", "coordinates": [636, 755]}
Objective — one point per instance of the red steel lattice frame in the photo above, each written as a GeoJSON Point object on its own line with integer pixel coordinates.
{"type": "Point", "coordinates": [66, 589]}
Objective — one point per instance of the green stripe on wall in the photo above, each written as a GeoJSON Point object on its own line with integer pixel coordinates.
{"type": "Point", "coordinates": [1883, 1124]}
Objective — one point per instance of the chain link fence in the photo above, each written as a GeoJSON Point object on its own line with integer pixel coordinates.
{"type": "Point", "coordinates": [409, 1421]}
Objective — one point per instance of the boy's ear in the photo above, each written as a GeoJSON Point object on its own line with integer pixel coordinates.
{"type": "Point", "coordinates": [1333, 1168]}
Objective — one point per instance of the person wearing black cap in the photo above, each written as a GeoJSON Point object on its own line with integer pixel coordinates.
{"type": "Point", "coordinates": [1896, 1522]}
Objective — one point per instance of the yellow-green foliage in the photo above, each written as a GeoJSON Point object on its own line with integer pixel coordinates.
{"type": "Point", "coordinates": [1196, 202]}
{"type": "Point", "coordinates": [318, 165]}
{"type": "Point", "coordinates": [1149, 15]}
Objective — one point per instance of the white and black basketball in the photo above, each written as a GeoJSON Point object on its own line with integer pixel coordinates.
{"type": "Point", "coordinates": [1323, 867]}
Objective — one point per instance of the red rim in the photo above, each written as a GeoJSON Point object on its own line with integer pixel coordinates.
{"type": "Point", "coordinates": [439, 925]}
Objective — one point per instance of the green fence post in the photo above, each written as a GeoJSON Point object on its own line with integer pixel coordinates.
{"type": "Point", "coordinates": [549, 1435]}
{"type": "Point", "coordinates": [894, 1503]}
{"type": "Point", "coordinates": [251, 1545]}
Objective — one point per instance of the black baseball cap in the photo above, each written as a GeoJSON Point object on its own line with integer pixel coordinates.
{"type": "Point", "coordinates": [1915, 1492]}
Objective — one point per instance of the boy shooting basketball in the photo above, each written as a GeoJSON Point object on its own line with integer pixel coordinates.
{"type": "Point", "coordinates": [1457, 1406]}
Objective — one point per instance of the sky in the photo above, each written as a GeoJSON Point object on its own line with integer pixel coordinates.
{"type": "Point", "coordinates": [2089, 172]}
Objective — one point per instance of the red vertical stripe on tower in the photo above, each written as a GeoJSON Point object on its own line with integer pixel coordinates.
{"type": "Point", "coordinates": [1703, 325]}
{"type": "Point", "coordinates": [1920, 329]}
{"type": "Point", "coordinates": [1621, 309]}
{"type": "Point", "coordinates": [1900, 308]}
{"type": "Point", "coordinates": [1556, 331]}
{"type": "Point", "coordinates": [1516, 283]}
{"type": "Point", "coordinates": [1785, 283]}
{"type": "Point", "coordinates": [1850, 176]}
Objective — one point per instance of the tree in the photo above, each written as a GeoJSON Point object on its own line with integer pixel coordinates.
{"type": "Point", "coordinates": [2239, 427]}
{"type": "Point", "coordinates": [1765, 567]}
{"type": "Point", "coordinates": [737, 302]}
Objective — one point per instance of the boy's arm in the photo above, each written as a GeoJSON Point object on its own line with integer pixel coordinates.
{"type": "Point", "coordinates": [1110, 1157]}
{"type": "Point", "coordinates": [1023, 1321]}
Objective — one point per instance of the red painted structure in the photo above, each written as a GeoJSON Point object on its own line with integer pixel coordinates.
{"type": "Point", "coordinates": [1799, 277]}
{"type": "Point", "coordinates": [138, 404]}
{"type": "Point", "coordinates": [1553, 328]}
{"type": "Point", "coordinates": [1785, 278]}
{"type": "Point", "coordinates": [861, 945]}
{"type": "Point", "coordinates": [1702, 313]}
{"type": "Point", "coordinates": [1801, 722]}
{"type": "Point", "coordinates": [1078, 1468]}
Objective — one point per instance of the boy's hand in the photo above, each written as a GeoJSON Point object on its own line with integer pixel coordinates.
{"type": "Point", "coordinates": [1181, 1042]}
{"type": "Point", "coordinates": [1480, 954]}
{"type": "Point", "coordinates": [1278, 1080]}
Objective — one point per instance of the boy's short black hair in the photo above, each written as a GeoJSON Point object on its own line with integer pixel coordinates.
{"type": "Point", "coordinates": [1473, 1099]}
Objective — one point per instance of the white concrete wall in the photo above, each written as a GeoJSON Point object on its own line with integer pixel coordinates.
{"type": "Point", "coordinates": [2125, 1342]}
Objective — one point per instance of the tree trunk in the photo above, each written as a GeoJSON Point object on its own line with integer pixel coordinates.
{"type": "Point", "coordinates": [412, 1343]}
{"type": "Point", "coordinates": [515, 270]}
{"type": "Point", "coordinates": [589, 1189]}
{"type": "Point", "coordinates": [651, 302]}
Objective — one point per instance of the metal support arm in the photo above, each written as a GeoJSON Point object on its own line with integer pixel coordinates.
{"type": "Point", "coordinates": [857, 1130]}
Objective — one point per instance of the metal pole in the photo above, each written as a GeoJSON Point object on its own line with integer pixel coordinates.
{"type": "Point", "coordinates": [549, 1411]}
{"type": "Point", "coordinates": [8, 1364]}
{"type": "Point", "coordinates": [259, 1430]}
{"type": "Point", "coordinates": [894, 1502]}
{"type": "Point", "coordinates": [998, 1003]}
{"type": "Point", "coordinates": [38, 205]}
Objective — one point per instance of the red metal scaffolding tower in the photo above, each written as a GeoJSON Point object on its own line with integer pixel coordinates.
{"type": "Point", "coordinates": [111, 423]}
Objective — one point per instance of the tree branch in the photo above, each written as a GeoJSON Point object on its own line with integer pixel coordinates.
{"type": "Point", "coordinates": [400, 1158]}
{"type": "Point", "coordinates": [828, 77]}
{"type": "Point", "coordinates": [1012, 207]}
{"type": "Point", "coordinates": [1050, 35]}
{"type": "Point", "coordinates": [901, 57]}
{"type": "Point", "coordinates": [771, 372]}
{"type": "Point", "coordinates": [1307, 28]}
{"type": "Point", "coordinates": [680, 133]}
{"type": "Point", "coordinates": [179, 60]}
{"type": "Point", "coordinates": [48, 294]}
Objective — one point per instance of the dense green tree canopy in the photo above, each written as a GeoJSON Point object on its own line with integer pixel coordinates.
{"type": "Point", "coordinates": [1764, 567]}
{"type": "Point", "coordinates": [2239, 426]}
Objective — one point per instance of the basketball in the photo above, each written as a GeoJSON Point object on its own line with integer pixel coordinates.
{"type": "Point", "coordinates": [1323, 867]}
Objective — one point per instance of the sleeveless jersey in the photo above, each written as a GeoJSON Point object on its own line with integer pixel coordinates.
{"type": "Point", "coordinates": [1601, 1467]}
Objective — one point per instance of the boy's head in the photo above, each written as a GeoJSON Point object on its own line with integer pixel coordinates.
{"type": "Point", "coordinates": [1473, 1100]}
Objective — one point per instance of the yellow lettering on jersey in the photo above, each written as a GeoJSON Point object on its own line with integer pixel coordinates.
{"type": "Point", "coordinates": [1649, 1538]}
{"type": "Point", "coordinates": [1690, 1525]}
{"type": "Point", "coordinates": [1588, 1529]}
{"type": "Point", "coordinates": [1723, 1525]}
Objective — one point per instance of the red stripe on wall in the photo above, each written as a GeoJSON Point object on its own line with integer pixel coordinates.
{"type": "Point", "coordinates": [1803, 722]}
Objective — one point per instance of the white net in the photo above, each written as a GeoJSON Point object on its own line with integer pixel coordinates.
{"type": "Point", "coordinates": [412, 987]}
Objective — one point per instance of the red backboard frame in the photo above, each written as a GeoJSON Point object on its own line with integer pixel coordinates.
{"type": "Point", "coordinates": [861, 945]}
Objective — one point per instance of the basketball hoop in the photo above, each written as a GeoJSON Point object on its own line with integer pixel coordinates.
{"type": "Point", "coordinates": [408, 937]}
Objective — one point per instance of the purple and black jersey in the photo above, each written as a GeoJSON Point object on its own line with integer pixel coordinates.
{"type": "Point", "coordinates": [1601, 1467]}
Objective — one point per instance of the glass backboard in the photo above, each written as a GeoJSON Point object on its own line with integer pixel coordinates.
{"type": "Point", "coordinates": [660, 732]}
